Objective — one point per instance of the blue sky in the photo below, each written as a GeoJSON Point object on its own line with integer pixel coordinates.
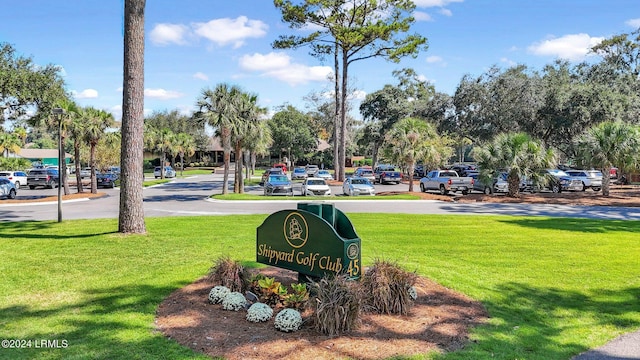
{"type": "Point", "coordinates": [195, 44]}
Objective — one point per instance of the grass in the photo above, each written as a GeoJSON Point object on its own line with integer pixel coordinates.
{"type": "Point", "coordinates": [232, 196]}
{"type": "Point", "coordinates": [553, 287]}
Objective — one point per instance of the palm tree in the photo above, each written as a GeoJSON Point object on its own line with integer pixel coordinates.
{"type": "Point", "coordinates": [76, 130]}
{"type": "Point", "coordinates": [258, 143]}
{"type": "Point", "coordinates": [71, 111]}
{"type": "Point", "coordinates": [161, 141]}
{"type": "Point", "coordinates": [97, 122]}
{"type": "Point", "coordinates": [411, 140]}
{"type": "Point", "coordinates": [131, 216]}
{"type": "Point", "coordinates": [9, 143]}
{"type": "Point", "coordinates": [246, 117]}
{"type": "Point", "coordinates": [609, 144]}
{"type": "Point", "coordinates": [518, 155]}
{"type": "Point", "coordinates": [185, 145]}
{"type": "Point", "coordinates": [21, 133]}
{"type": "Point", "coordinates": [215, 107]}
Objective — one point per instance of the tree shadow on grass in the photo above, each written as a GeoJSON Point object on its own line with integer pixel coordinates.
{"type": "Point", "coordinates": [580, 225]}
{"type": "Point", "coordinates": [110, 323]}
{"type": "Point", "coordinates": [527, 322]}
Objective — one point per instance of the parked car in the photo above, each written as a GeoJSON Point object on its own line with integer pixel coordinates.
{"type": "Point", "coordinates": [106, 180]}
{"type": "Point", "coordinates": [353, 186]}
{"type": "Point", "coordinates": [556, 181]}
{"type": "Point", "coordinates": [365, 172]}
{"type": "Point", "coordinates": [497, 185]}
{"type": "Point", "coordinates": [463, 169]}
{"type": "Point", "coordinates": [299, 173]}
{"type": "Point", "coordinates": [325, 174]}
{"type": "Point", "coordinates": [311, 170]}
{"type": "Point", "coordinates": [168, 172]}
{"type": "Point", "coordinates": [47, 178]}
{"type": "Point", "coordinates": [590, 178]}
{"type": "Point", "coordinates": [7, 189]}
{"type": "Point", "coordinates": [18, 178]}
{"type": "Point", "coordinates": [315, 186]}
{"type": "Point", "coordinates": [385, 174]}
{"type": "Point", "coordinates": [418, 171]}
{"type": "Point", "coordinates": [267, 173]}
{"type": "Point", "coordinates": [278, 185]}
{"type": "Point", "coordinates": [445, 181]}
{"type": "Point", "coordinates": [85, 172]}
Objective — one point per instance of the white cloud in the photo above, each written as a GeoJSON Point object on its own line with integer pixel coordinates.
{"type": "Point", "coordinates": [434, 3]}
{"type": "Point", "coordinates": [231, 31]}
{"type": "Point", "coordinates": [422, 16]}
{"type": "Point", "coordinates": [635, 23]}
{"type": "Point", "coordinates": [86, 94]}
{"type": "Point", "coordinates": [573, 47]}
{"type": "Point", "coordinates": [434, 59]}
{"type": "Point", "coordinates": [162, 94]}
{"type": "Point", "coordinates": [446, 12]}
{"type": "Point", "coordinates": [507, 61]}
{"type": "Point", "coordinates": [260, 62]}
{"type": "Point", "coordinates": [201, 76]}
{"type": "Point", "coordinates": [165, 34]}
{"type": "Point", "coordinates": [279, 66]}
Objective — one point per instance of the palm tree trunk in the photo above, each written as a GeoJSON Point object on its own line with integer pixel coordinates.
{"type": "Point", "coordinates": [606, 181]}
{"type": "Point", "coordinates": [226, 145]}
{"type": "Point", "coordinates": [131, 215]}
{"type": "Point", "coordinates": [92, 160]}
{"type": "Point", "coordinates": [76, 154]}
{"type": "Point", "coordinates": [514, 186]}
{"type": "Point", "coordinates": [411, 168]}
{"type": "Point", "coordinates": [63, 170]}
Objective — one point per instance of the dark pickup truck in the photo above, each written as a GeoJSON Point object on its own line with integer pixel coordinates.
{"type": "Point", "coordinates": [385, 174]}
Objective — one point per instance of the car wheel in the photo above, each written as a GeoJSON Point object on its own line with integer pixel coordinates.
{"type": "Point", "coordinates": [422, 188]}
{"type": "Point", "coordinates": [596, 189]}
{"type": "Point", "coordinates": [555, 189]}
{"type": "Point", "coordinates": [50, 184]}
{"type": "Point", "coordinates": [583, 187]}
{"type": "Point", "coordinates": [113, 184]}
{"type": "Point", "coordinates": [17, 184]}
{"type": "Point", "coordinates": [32, 187]}
{"type": "Point", "coordinates": [443, 191]}
{"type": "Point", "coordinates": [12, 194]}
{"type": "Point", "coordinates": [350, 192]}
{"type": "Point", "coordinates": [487, 190]}
{"type": "Point", "coordinates": [465, 192]}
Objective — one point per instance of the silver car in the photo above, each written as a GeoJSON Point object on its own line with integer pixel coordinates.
{"type": "Point", "coordinates": [7, 189]}
{"type": "Point", "coordinates": [354, 186]}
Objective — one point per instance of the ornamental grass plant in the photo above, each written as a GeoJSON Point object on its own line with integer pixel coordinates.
{"type": "Point", "coordinates": [229, 273]}
{"type": "Point", "coordinates": [336, 305]}
{"type": "Point", "coordinates": [387, 288]}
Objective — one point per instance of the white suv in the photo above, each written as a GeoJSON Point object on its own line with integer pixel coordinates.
{"type": "Point", "coordinates": [590, 178]}
{"type": "Point", "coordinates": [18, 178]}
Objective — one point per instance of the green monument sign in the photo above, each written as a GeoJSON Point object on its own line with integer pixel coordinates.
{"type": "Point", "coordinates": [316, 239]}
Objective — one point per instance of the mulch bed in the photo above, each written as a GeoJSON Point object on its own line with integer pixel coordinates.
{"type": "Point", "coordinates": [439, 320]}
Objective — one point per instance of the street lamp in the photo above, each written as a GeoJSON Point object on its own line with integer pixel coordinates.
{"type": "Point", "coordinates": [57, 113]}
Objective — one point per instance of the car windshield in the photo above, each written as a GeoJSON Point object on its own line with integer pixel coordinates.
{"type": "Point", "coordinates": [558, 173]}
{"type": "Point", "coordinates": [278, 178]}
{"type": "Point", "coordinates": [360, 181]}
{"type": "Point", "coordinates": [316, 182]}
{"type": "Point", "coordinates": [594, 173]}
{"type": "Point", "coordinates": [298, 170]}
{"type": "Point", "coordinates": [5, 174]}
{"type": "Point", "coordinates": [365, 172]}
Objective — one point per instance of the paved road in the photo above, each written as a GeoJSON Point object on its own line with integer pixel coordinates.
{"type": "Point", "coordinates": [187, 197]}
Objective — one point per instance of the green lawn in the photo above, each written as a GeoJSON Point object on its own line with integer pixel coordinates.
{"type": "Point", "coordinates": [553, 287]}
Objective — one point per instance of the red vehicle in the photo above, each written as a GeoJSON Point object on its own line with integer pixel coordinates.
{"type": "Point", "coordinates": [281, 166]}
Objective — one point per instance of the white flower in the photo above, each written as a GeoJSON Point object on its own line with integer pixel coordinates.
{"type": "Point", "coordinates": [218, 293]}
{"type": "Point", "coordinates": [413, 293]}
{"type": "Point", "coordinates": [259, 312]}
{"type": "Point", "coordinates": [234, 301]}
{"type": "Point", "coordinates": [288, 320]}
